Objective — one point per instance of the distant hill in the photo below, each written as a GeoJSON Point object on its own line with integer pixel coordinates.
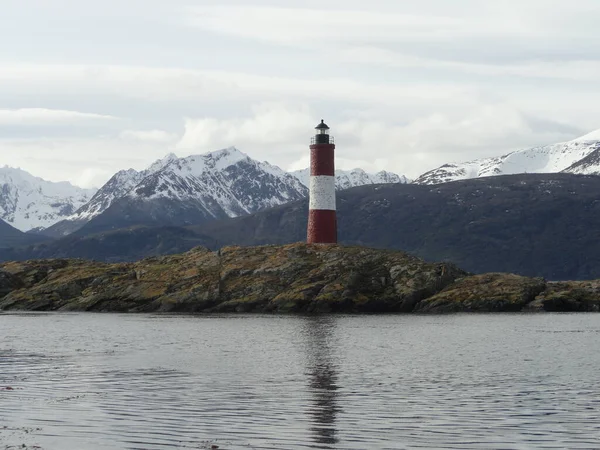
{"type": "Point", "coordinates": [114, 246]}
{"type": "Point", "coordinates": [536, 225]}
{"type": "Point", "coordinates": [11, 237]}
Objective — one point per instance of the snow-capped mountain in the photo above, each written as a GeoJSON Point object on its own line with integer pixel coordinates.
{"type": "Point", "coordinates": [28, 202]}
{"type": "Point", "coordinates": [117, 187]}
{"type": "Point", "coordinates": [590, 165]}
{"type": "Point", "coordinates": [574, 157]}
{"type": "Point", "coordinates": [200, 188]}
{"type": "Point", "coordinates": [346, 179]}
{"type": "Point", "coordinates": [225, 183]}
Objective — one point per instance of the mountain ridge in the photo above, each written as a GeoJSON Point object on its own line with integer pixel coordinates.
{"type": "Point", "coordinates": [554, 158]}
{"type": "Point", "coordinates": [210, 186]}
{"type": "Point", "coordinates": [28, 202]}
{"type": "Point", "coordinates": [346, 179]}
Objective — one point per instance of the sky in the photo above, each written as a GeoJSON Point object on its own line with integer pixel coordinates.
{"type": "Point", "coordinates": [90, 87]}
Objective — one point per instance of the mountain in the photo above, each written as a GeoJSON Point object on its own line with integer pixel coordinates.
{"type": "Point", "coordinates": [532, 224]}
{"type": "Point", "coordinates": [346, 179]}
{"type": "Point", "coordinates": [117, 187]}
{"type": "Point", "coordinates": [590, 165]}
{"type": "Point", "coordinates": [28, 202]}
{"type": "Point", "coordinates": [197, 189]}
{"type": "Point", "coordinates": [11, 237]}
{"type": "Point", "coordinates": [563, 157]}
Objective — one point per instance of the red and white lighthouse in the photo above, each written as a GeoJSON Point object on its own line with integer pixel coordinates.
{"type": "Point", "coordinates": [322, 220]}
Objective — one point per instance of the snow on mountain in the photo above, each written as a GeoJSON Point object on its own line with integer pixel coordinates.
{"type": "Point", "coordinates": [200, 188]}
{"type": "Point", "coordinates": [590, 165]}
{"type": "Point", "coordinates": [345, 179]}
{"type": "Point", "coordinates": [548, 159]}
{"type": "Point", "coordinates": [117, 187]}
{"type": "Point", "coordinates": [227, 180]}
{"type": "Point", "coordinates": [225, 183]}
{"type": "Point", "coordinates": [28, 202]}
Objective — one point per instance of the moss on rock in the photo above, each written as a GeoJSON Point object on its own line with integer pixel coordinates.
{"type": "Point", "coordinates": [492, 292]}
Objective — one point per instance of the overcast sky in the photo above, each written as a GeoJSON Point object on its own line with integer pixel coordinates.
{"type": "Point", "coordinates": [88, 87]}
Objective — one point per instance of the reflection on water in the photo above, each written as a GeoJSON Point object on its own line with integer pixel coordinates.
{"type": "Point", "coordinates": [84, 381]}
{"type": "Point", "coordinates": [318, 332]}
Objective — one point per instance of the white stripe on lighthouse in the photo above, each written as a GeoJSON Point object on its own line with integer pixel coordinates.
{"type": "Point", "coordinates": [322, 193]}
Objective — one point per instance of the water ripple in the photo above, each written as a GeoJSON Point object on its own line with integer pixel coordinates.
{"type": "Point", "coordinates": [82, 381]}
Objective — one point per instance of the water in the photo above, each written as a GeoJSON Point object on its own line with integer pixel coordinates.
{"type": "Point", "coordinates": [88, 381]}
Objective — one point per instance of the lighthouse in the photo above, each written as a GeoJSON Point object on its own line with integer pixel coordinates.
{"type": "Point", "coordinates": [322, 220]}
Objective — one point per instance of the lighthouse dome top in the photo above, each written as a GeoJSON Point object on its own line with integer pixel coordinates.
{"type": "Point", "coordinates": [322, 126]}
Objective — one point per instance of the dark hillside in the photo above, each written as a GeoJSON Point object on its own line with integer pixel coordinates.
{"type": "Point", "coordinates": [535, 225]}
{"type": "Point", "coordinates": [11, 237]}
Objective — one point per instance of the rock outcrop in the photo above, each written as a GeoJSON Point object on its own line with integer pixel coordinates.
{"type": "Point", "coordinates": [8, 283]}
{"type": "Point", "coordinates": [293, 278]}
{"type": "Point", "coordinates": [569, 296]}
{"type": "Point", "coordinates": [490, 292]}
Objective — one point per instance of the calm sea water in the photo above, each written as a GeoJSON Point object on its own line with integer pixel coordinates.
{"type": "Point", "coordinates": [90, 381]}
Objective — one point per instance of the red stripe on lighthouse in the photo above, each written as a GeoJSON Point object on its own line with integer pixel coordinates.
{"type": "Point", "coordinates": [322, 227]}
{"type": "Point", "coordinates": [322, 160]}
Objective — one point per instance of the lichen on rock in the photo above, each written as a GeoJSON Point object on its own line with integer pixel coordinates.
{"type": "Point", "coordinates": [491, 292]}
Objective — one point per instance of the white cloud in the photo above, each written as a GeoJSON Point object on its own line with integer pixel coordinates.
{"type": "Point", "coordinates": [41, 116]}
{"type": "Point", "coordinates": [86, 162]}
{"type": "Point", "coordinates": [569, 70]}
{"type": "Point", "coordinates": [302, 26]}
{"type": "Point", "coordinates": [186, 85]}
{"type": "Point", "coordinates": [405, 86]}
{"type": "Point", "coordinates": [425, 21]}
{"type": "Point", "coordinates": [280, 133]}
{"type": "Point", "coordinates": [270, 125]}
{"type": "Point", "coordinates": [159, 136]}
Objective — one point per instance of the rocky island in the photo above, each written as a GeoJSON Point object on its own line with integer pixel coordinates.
{"type": "Point", "coordinates": [297, 278]}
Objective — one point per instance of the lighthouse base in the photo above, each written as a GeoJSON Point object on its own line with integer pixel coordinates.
{"type": "Point", "coordinates": [322, 227]}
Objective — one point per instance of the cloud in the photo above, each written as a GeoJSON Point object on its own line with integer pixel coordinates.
{"type": "Point", "coordinates": [405, 86]}
{"type": "Point", "coordinates": [86, 162]}
{"type": "Point", "coordinates": [41, 116]}
{"type": "Point", "coordinates": [582, 70]}
{"type": "Point", "coordinates": [186, 85]}
{"type": "Point", "coordinates": [303, 26]}
{"type": "Point", "coordinates": [271, 125]}
{"type": "Point", "coordinates": [533, 25]}
{"type": "Point", "coordinates": [280, 133]}
{"type": "Point", "coordinates": [159, 136]}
